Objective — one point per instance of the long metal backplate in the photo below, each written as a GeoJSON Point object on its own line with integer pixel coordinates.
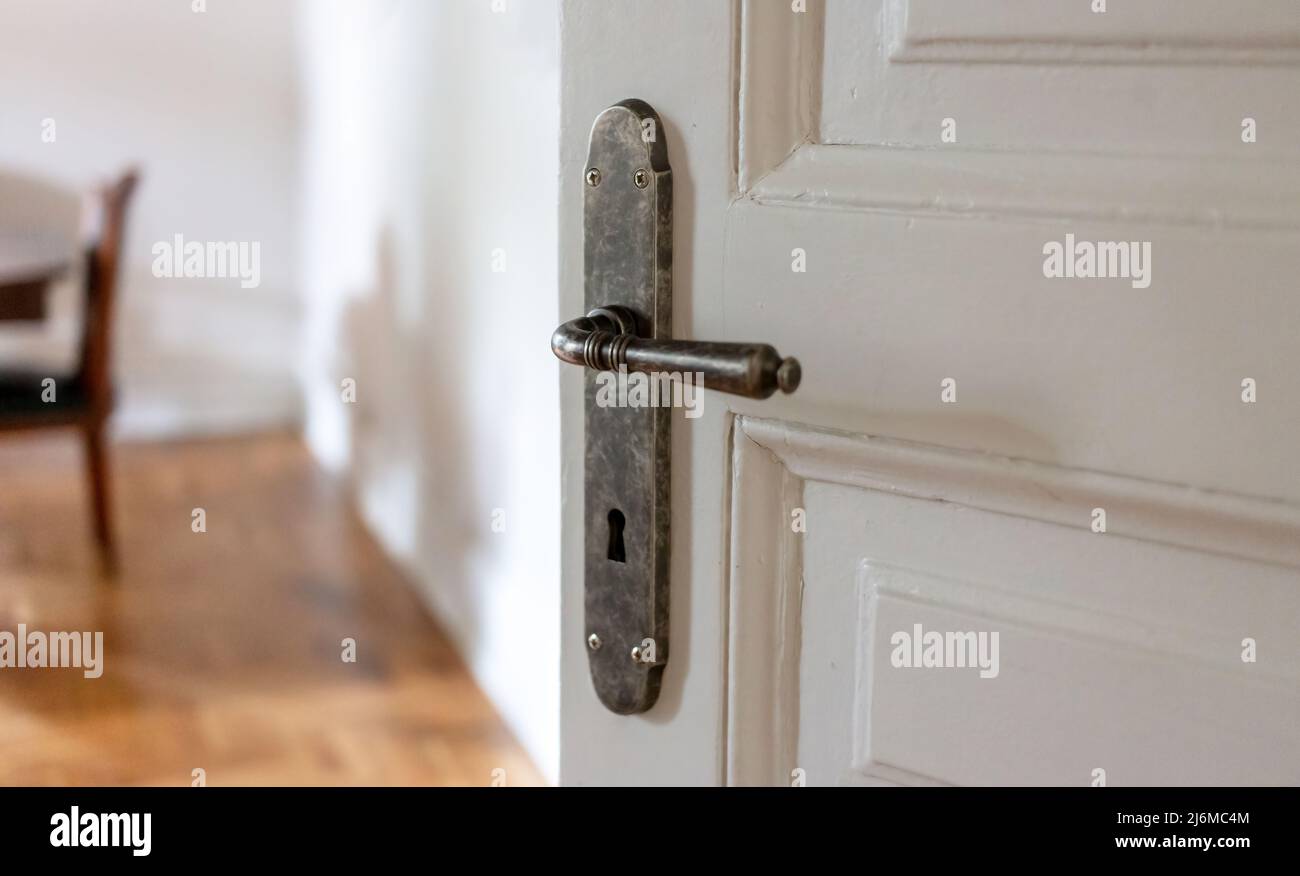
{"type": "Point", "coordinates": [628, 216]}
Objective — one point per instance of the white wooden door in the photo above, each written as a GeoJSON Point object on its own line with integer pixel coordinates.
{"type": "Point", "coordinates": [1101, 470]}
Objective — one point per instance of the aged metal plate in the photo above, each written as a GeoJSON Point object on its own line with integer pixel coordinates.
{"type": "Point", "coordinates": [627, 212]}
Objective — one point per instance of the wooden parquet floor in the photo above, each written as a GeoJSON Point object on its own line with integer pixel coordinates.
{"type": "Point", "coordinates": [222, 649]}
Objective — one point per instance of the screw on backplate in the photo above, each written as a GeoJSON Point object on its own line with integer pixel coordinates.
{"type": "Point", "coordinates": [593, 177]}
{"type": "Point", "coordinates": [593, 642]}
{"type": "Point", "coordinates": [641, 178]}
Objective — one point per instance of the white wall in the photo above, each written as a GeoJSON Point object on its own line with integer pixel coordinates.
{"type": "Point", "coordinates": [430, 141]}
{"type": "Point", "coordinates": [380, 152]}
{"type": "Point", "coordinates": [205, 103]}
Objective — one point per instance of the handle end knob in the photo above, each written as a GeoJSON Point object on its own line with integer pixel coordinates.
{"type": "Point", "coordinates": [788, 375]}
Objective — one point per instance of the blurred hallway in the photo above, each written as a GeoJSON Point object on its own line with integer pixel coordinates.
{"type": "Point", "coordinates": [223, 648]}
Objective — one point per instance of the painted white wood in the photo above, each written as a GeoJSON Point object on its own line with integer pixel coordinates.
{"type": "Point", "coordinates": [819, 131]}
{"type": "Point", "coordinates": [1151, 511]}
{"type": "Point", "coordinates": [1063, 31]}
{"type": "Point", "coordinates": [676, 54]}
{"type": "Point", "coordinates": [1077, 689]}
{"type": "Point", "coordinates": [1089, 374]}
{"type": "Point", "coordinates": [1119, 650]}
{"type": "Point", "coordinates": [1053, 187]}
{"type": "Point", "coordinates": [766, 592]}
{"type": "Point", "coordinates": [778, 89]}
{"type": "Point", "coordinates": [1160, 77]}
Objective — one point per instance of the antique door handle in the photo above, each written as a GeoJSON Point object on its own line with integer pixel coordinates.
{"type": "Point", "coordinates": [607, 338]}
{"type": "Point", "coordinates": [628, 281]}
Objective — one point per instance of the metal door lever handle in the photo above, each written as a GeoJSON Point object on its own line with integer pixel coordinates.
{"type": "Point", "coordinates": [627, 220]}
{"type": "Point", "coordinates": [607, 338]}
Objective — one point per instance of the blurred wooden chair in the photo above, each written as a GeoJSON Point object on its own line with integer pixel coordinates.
{"type": "Point", "coordinates": [82, 399]}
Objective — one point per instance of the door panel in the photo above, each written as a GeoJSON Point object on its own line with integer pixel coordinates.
{"type": "Point", "coordinates": [1167, 77]}
{"type": "Point", "coordinates": [1119, 651]}
{"type": "Point", "coordinates": [1084, 373]}
{"type": "Point", "coordinates": [821, 210]}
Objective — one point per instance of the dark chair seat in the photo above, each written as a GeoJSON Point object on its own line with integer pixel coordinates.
{"type": "Point", "coordinates": [22, 392]}
{"type": "Point", "coordinates": [84, 398]}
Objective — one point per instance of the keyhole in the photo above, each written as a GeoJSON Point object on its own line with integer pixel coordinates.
{"type": "Point", "coordinates": [616, 550]}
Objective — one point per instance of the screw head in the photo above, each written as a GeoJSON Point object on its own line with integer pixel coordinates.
{"type": "Point", "coordinates": [641, 178]}
{"type": "Point", "coordinates": [636, 653]}
{"type": "Point", "coordinates": [593, 177]}
{"type": "Point", "coordinates": [593, 642]}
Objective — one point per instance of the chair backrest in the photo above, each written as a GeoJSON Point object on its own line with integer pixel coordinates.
{"type": "Point", "coordinates": [102, 260]}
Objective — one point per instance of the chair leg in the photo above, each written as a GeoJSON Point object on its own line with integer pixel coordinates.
{"type": "Point", "coordinates": [97, 469]}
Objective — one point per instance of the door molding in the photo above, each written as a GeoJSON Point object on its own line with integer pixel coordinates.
{"type": "Point", "coordinates": [1033, 32]}
{"type": "Point", "coordinates": [778, 88]}
{"type": "Point", "coordinates": [782, 161]}
{"type": "Point", "coordinates": [1056, 188]}
{"type": "Point", "coordinates": [771, 463]}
